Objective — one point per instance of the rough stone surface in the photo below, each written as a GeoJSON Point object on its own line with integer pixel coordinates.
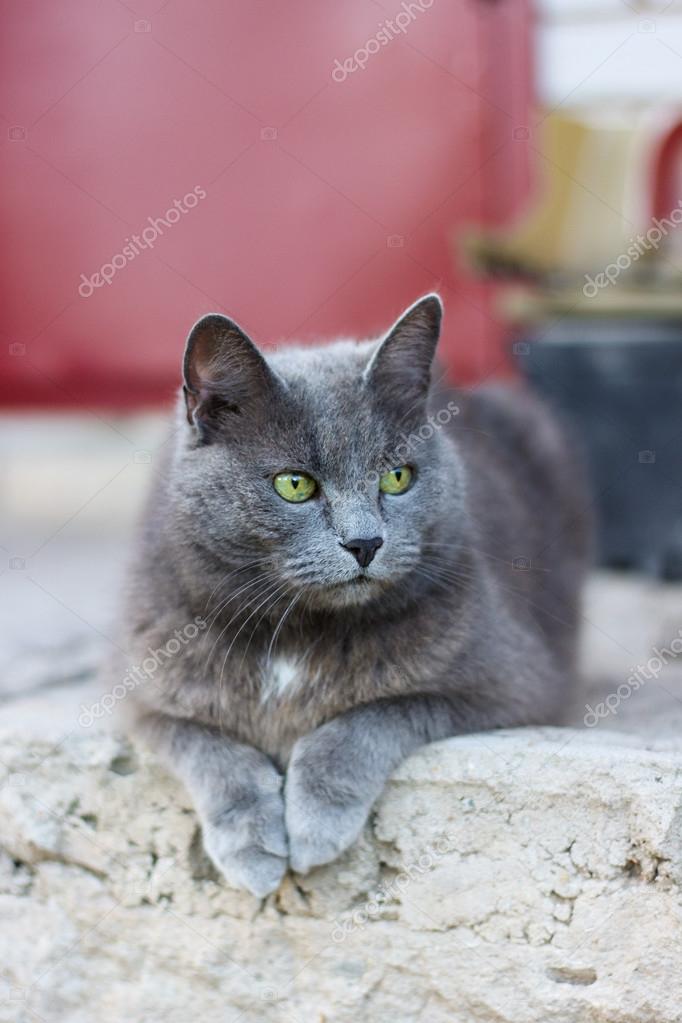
{"type": "Point", "coordinates": [511, 878]}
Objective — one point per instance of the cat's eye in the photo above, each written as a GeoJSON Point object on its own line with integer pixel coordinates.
{"type": "Point", "coordinates": [397, 481]}
{"type": "Point", "coordinates": [294, 486]}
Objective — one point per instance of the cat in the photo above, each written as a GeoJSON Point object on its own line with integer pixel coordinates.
{"type": "Point", "coordinates": [376, 562]}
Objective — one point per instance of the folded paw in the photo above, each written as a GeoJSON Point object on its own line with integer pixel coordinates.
{"type": "Point", "coordinates": [320, 822]}
{"type": "Point", "coordinates": [247, 842]}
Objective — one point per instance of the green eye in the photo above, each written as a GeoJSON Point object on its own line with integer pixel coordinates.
{"type": "Point", "coordinates": [294, 486]}
{"type": "Point", "coordinates": [397, 481]}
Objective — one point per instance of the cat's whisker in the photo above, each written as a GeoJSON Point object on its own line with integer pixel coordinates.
{"type": "Point", "coordinates": [223, 580]}
{"type": "Point", "coordinates": [244, 568]}
{"type": "Point", "coordinates": [461, 548]}
{"type": "Point", "coordinates": [435, 580]}
{"type": "Point", "coordinates": [271, 591]}
{"type": "Point", "coordinates": [261, 577]}
{"type": "Point", "coordinates": [218, 610]}
{"type": "Point", "coordinates": [456, 571]}
{"type": "Point", "coordinates": [276, 633]}
{"type": "Point", "coordinates": [268, 590]}
{"type": "Point", "coordinates": [517, 594]}
{"type": "Point", "coordinates": [443, 577]}
{"type": "Point", "coordinates": [244, 606]}
{"type": "Point", "coordinates": [277, 597]}
{"type": "Point", "coordinates": [304, 611]}
{"type": "Point", "coordinates": [476, 550]}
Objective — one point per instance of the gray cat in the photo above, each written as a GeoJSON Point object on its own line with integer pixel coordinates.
{"type": "Point", "coordinates": [376, 563]}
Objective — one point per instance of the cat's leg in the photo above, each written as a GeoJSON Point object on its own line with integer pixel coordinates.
{"type": "Point", "coordinates": [237, 792]}
{"type": "Point", "coordinates": [337, 771]}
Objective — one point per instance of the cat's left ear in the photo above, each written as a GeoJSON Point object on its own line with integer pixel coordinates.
{"type": "Point", "coordinates": [401, 365]}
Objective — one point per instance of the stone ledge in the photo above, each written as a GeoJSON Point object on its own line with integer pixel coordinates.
{"type": "Point", "coordinates": [509, 878]}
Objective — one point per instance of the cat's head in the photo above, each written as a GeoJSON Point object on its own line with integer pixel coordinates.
{"type": "Point", "coordinates": [323, 469]}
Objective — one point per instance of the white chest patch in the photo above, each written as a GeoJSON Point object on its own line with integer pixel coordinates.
{"type": "Point", "coordinates": [280, 676]}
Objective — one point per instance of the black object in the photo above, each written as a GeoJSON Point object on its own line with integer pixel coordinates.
{"type": "Point", "coordinates": [363, 550]}
{"type": "Point", "coordinates": [618, 384]}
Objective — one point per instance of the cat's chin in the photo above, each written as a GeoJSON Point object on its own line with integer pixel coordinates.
{"type": "Point", "coordinates": [347, 593]}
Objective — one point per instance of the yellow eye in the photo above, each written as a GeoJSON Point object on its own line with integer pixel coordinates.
{"type": "Point", "coordinates": [397, 481]}
{"type": "Point", "coordinates": [294, 486]}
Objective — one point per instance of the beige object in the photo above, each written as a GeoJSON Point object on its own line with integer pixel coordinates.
{"type": "Point", "coordinates": [526, 876]}
{"type": "Point", "coordinates": [591, 198]}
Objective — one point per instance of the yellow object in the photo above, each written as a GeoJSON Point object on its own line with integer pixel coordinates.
{"type": "Point", "coordinates": [294, 486]}
{"type": "Point", "coordinates": [591, 198]}
{"type": "Point", "coordinates": [396, 481]}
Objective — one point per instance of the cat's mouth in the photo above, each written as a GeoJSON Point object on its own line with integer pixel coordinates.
{"type": "Point", "coordinates": [358, 580]}
{"type": "Point", "coordinates": [345, 592]}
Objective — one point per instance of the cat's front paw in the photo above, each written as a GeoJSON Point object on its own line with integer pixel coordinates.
{"type": "Point", "coordinates": [322, 820]}
{"type": "Point", "coordinates": [247, 842]}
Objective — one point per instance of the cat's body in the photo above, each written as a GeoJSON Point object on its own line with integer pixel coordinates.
{"type": "Point", "coordinates": [463, 619]}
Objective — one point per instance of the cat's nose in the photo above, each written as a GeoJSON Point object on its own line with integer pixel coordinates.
{"type": "Point", "coordinates": [363, 550]}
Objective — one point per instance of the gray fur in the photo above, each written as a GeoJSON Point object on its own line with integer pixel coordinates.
{"type": "Point", "coordinates": [314, 677]}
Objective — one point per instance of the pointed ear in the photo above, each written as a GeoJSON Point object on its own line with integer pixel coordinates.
{"type": "Point", "coordinates": [224, 373]}
{"type": "Point", "coordinates": [401, 365]}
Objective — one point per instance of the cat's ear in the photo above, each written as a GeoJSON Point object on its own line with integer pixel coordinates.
{"type": "Point", "coordinates": [224, 373]}
{"type": "Point", "coordinates": [401, 366]}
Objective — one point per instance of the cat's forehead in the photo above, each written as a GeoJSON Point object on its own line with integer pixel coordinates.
{"type": "Point", "coordinates": [331, 364]}
{"type": "Point", "coordinates": [331, 412]}
{"type": "Point", "coordinates": [325, 385]}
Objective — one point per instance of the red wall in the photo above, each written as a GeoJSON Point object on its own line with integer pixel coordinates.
{"type": "Point", "coordinates": [329, 204]}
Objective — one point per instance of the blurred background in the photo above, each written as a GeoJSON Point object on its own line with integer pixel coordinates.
{"type": "Point", "coordinates": [310, 169]}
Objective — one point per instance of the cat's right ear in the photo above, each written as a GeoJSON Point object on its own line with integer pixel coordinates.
{"type": "Point", "coordinates": [224, 373]}
{"type": "Point", "coordinates": [401, 364]}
